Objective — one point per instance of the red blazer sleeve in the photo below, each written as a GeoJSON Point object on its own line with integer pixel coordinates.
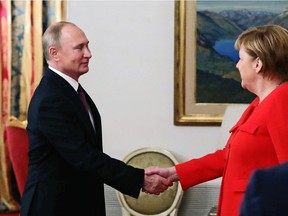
{"type": "Point", "coordinates": [202, 169]}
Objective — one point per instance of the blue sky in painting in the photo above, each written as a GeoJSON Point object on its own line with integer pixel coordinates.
{"type": "Point", "coordinates": [216, 5]}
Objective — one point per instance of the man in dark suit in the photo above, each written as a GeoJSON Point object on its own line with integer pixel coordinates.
{"type": "Point", "coordinates": [67, 166]}
{"type": "Point", "coordinates": [267, 193]}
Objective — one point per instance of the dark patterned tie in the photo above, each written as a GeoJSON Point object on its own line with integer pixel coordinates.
{"type": "Point", "coordinates": [81, 94]}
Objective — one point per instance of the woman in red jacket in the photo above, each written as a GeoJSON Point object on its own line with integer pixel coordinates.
{"type": "Point", "coordinates": [260, 138]}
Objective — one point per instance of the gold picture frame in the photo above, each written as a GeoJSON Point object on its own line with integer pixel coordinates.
{"type": "Point", "coordinates": [186, 110]}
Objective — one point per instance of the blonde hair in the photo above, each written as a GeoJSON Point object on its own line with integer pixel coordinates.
{"type": "Point", "coordinates": [52, 37]}
{"type": "Point", "coordinates": [270, 44]}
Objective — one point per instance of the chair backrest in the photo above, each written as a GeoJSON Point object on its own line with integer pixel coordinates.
{"type": "Point", "coordinates": [17, 143]}
{"type": "Point", "coordinates": [166, 203]}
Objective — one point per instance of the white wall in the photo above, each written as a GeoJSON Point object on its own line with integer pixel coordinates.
{"type": "Point", "coordinates": [131, 77]}
{"type": "Point", "coordinates": [131, 80]}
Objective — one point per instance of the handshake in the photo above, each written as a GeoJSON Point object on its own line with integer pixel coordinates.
{"type": "Point", "coordinates": [157, 180]}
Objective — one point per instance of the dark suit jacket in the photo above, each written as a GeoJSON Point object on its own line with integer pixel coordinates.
{"type": "Point", "coordinates": [267, 193]}
{"type": "Point", "coordinates": [67, 167]}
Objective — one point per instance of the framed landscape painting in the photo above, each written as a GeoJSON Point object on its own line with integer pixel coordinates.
{"type": "Point", "coordinates": [206, 79]}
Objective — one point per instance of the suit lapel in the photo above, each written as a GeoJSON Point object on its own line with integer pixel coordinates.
{"type": "Point", "coordinates": [97, 120]}
{"type": "Point", "coordinates": [63, 87]}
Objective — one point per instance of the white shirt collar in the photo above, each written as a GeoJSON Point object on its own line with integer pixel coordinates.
{"type": "Point", "coordinates": [71, 81]}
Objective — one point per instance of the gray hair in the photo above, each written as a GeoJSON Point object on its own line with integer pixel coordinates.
{"type": "Point", "coordinates": [52, 37]}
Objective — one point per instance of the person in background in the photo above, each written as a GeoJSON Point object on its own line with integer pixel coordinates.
{"type": "Point", "coordinates": [267, 192]}
{"type": "Point", "coordinates": [259, 139]}
{"type": "Point", "coordinates": [67, 166]}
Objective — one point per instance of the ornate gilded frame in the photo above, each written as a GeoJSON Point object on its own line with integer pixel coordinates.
{"type": "Point", "coordinates": [186, 110]}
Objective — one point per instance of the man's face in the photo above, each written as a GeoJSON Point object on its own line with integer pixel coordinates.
{"type": "Point", "coordinates": [74, 54]}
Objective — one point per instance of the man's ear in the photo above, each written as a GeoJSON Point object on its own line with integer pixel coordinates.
{"type": "Point", "coordinates": [53, 52]}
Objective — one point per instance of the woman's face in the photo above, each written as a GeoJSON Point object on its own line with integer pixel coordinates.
{"type": "Point", "coordinates": [248, 68]}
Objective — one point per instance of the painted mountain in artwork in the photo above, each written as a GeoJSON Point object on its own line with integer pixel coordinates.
{"type": "Point", "coordinates": [218, 80]}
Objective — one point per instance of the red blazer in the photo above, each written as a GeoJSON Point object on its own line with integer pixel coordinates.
{"type": "Point", "coordinates": [258, 140]}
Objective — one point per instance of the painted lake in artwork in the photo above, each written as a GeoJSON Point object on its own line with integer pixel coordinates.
{"type": "Point", "coordinates": [219, 23]}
